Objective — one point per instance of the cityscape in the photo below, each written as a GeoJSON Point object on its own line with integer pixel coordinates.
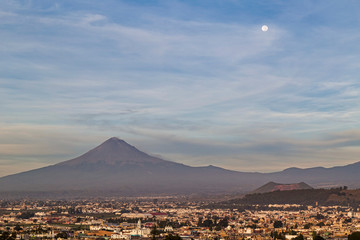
{"type": "Point", "coordinates": [167, 218]}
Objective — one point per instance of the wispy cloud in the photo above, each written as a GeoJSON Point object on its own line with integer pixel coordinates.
{"type": "Point", "coordinates": [196, 85]}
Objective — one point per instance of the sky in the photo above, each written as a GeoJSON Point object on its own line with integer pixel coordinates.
{"type": "Point", "coordinates": [195, 82]}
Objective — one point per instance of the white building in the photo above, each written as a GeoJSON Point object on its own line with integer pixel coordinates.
{"type": "Point", "coordinates": [140, 231]}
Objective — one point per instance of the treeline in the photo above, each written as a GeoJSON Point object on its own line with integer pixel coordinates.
{"type": "Point", "coordinates": [213, 223]}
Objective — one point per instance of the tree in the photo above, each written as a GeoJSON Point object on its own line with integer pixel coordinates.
{"type": "Point", "coordinates": [354, 236]}
{"type": "Point", "coordinates": [276, 235]}
{"type": "Point", "coordinates": [61, 235]}
{"type": "Point", "coordinates": [300, 237]}
{"type": "Point", "coordinates": [26, 215]}
{"type": "Point", "coordinates": [207, 223]}
{"type": "Point", "coordinates": [199, 224]}
{"type": "Point", "coordinates": [307, 226]}
{"type": "Point", "coordinates": [318, 237]}
{"type": "Point", "coordinates": [320, 224]}
{"type": "Point", "coordinates": [13, 236]}
{"type": "Point", "coordinates": [6, 236]}
{"type": "Point", "coordinates": [154, 232]}
{"type": "Point", "coordinates": [278, 224]}
{"type": "Point", "coordinates": [217, 228]}
{"type": "Point", "coordinates": [223, 223]}
{"type": "Point", "coordinates": [17, 228]}
{"type": "Point", "coordinates": [172, 237]}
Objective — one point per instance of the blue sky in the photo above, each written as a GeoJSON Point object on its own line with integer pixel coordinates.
{"type": "Point", "coordinates": [195, 82]}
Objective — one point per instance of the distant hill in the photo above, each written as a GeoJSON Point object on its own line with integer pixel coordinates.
{"type": "Point", "coordinates": [320, 177]}
{"type": "Point", "coordinates": [303, 197]}
{"type": "Point", "coordinates": [272, 186]}
{"type": "Point", "coordinates": [115, 168]}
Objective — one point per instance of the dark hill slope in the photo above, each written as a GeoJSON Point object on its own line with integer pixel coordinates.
{"type": "Point", "coordinates": [271, 187]}
{"type": "Point", "coordinates": [303, 197]}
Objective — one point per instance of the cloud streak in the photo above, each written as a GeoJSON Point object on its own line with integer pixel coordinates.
{"type": "Point", "coordinates": [200, 85]}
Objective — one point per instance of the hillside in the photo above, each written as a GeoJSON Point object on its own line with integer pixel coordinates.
{"type": "Point", "coordinates": [272, 186]}
{"type": "Point", "coordinates": [302, 197]}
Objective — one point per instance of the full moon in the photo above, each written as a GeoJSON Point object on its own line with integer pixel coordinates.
{"type": "Point", "coordinates": [264, 28]}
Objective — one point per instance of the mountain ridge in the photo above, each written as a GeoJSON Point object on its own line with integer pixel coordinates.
{"type": "Point", "coordinates": [116, 166]}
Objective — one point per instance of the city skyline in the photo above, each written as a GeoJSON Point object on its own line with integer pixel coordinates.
{"type": "Point", "coordinates": [193, 82]}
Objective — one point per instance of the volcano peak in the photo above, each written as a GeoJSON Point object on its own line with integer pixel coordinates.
{"type": "Point", "coordinates": [113, 151]}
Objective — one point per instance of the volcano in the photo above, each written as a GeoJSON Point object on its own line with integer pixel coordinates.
{"type": "Point", "coordinates": [115, 168]}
